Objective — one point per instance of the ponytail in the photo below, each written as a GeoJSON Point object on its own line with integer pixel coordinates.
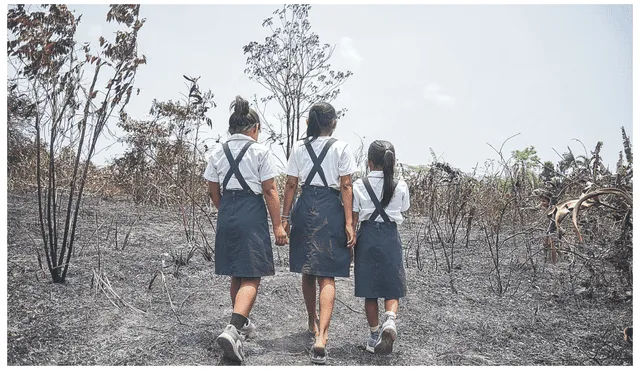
{"type": "Point", "coordinates": [389, 185]}
{"type": "Point", "coordinates": [382, 153]}
{"type": "Point", "coordinates": [239, 106]}
{"type": "Point", "coordinates": [313, 126]}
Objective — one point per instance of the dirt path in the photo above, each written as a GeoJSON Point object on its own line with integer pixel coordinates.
{"type": "Point", "coordinates": [73, 324]}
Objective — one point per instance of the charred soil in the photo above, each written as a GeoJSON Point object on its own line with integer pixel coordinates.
{"type": "Point", "coordinates": [116, 308]}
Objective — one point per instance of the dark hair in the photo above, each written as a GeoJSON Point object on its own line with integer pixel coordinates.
{"type": "Point", "coordinates": [243, 118]}
{"type": "Point", "coordinates": [321, 118]}
{"type": "Point", "coordinates": [382, 153]}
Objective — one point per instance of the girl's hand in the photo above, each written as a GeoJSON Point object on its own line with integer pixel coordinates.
{"type": "Point", "coordinates": [286, 226]}
{"type": "Point", "coordinates": [351, 236]}
{"type": "Point", "coordinates": [281, 236]}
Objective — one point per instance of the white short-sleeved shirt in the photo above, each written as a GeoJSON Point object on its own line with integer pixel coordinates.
{"type": "Point", "coordinates": [338, 162]}
{"type": "Point", "coordinates": [256, 166]}
{"type": "Point", "coordinates": [362, 202]}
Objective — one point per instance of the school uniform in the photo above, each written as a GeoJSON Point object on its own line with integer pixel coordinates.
{"type": "Point", "coordinates": [243, 243]}
{"type": "Point", "coordinates": [378, 268]}
{"type": "Point", "coordinates": [318, 241]}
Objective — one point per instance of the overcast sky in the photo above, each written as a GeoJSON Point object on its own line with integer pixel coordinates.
{"type": "Point", "coordinates": [447, 77]}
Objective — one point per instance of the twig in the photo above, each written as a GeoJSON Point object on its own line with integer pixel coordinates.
{"type": "Point", "coordinates": [155, 329]}
{"type": "Point", "coordinates": [122, 300]}
{"type": "Point", "coordinates": [348, 307]}
{"type": "Point", "coordinates": [126, 237]}
{"type": "Point", "coordinates": [97, 227]}
{"type": "Point", "coordinates": [164, 282]}
{"type": "Point", "coordinates": [152, 279]}
{"type": "Point", "coordinates": [116, 236]}
{"type": "Point", "coordinates": [35, 247]}
{"type": "Point", "coordinates": [185, 299]}
{"type": "Point", "coordinates": [100, 285]}
{"type": "Point", "coordinates": [105, 283]}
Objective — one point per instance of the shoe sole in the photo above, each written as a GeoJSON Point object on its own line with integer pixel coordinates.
{"type": "Point", "coordinates": [370, 349]}
{"type": "Point", "coordinates": [388, 336]}
{"type": "Point", "coordinates": [319, 361]}
{"type": "Point", "coordinates": [229, 348]}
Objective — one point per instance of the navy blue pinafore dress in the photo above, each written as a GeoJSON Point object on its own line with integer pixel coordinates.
{"type": "Point", "coordinates": [378, 268]}
{"type": "Point", "coordinates": [243, 244]}
{"type": "Point", "coordinates": [318, 241]}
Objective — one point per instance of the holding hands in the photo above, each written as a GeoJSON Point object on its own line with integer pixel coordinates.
{"type": "Point", "coordinates": [281, 235]}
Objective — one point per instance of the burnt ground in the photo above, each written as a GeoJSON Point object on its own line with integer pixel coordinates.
{"type": "Point", "coordinates": [547, 321]}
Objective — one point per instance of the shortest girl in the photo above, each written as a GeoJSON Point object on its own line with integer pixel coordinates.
{"type": "Point", "coordinates": [378, 200]}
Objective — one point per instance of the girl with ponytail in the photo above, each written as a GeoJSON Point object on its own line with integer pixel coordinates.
{"type": "Point", "coordinates": [322, 233]}
{"type": "Point", "coordinates": [378, 201]}
{"type": "Point", "coordinates": [241, 177]}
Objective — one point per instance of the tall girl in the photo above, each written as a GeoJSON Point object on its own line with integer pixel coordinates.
{"type": "Point", "coordinates": [321, 228]}
{"type": "Point", "coordinates": [244, 170]}
{"type": "Point", "coordinates": [378, 201]}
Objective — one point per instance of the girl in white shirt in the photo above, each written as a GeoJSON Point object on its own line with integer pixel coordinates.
{"type": "Point", "coordinates": [378, 201]}
{"type": "Point", "coordinates": [321, 228]}
{"type": "Point", "coordinates": [245, 170]}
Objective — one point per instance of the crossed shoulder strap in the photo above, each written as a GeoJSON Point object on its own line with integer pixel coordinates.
{"type": "Point", "coordinates": [233, 163]}
{"type": "Point", "coordinates": [317, 161]}
{"type": "Point", "coordinates": [379, 209]}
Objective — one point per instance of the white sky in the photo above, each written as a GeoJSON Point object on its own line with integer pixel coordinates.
{"type": "Point", "coordinates": [449, 77]}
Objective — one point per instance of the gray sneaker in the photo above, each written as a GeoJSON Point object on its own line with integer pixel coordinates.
{"type": "Point", "coordinates": [247, 330]}
{"type": "Point", "coordinates": [231, 343]}
{"type": "Point", "coordinates": [388, 335]}
{"type": "Point", "coordinates": [372, 341]}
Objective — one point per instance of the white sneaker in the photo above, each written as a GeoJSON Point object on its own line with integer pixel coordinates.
{"type": "Point", "coordinates": [231, 343]}
{"type": "Point", "coordinates": [388, 335]}
{"type": "Point", "coordinates": [247, 330]}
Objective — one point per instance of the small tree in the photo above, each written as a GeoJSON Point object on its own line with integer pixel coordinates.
{"type": "Point", "coordinates": [294, 67]}
{"type": "Point", "coordinates": [184, 120]}
{"type": "Point", "coordinates": [67, 113]}
{"type": "Point", "coordinates": [167, 152]}
{"type": "Point", "coordinates": [135, 173]}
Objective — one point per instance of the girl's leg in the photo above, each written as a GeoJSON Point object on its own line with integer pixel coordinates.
{"type": "Point", "coordinates": [391, 305]}
{"type": "Point", "coordinates": [390, 312]}
{"type": "Point", "coordinates": [371, 310]}
{"type": "Point", "coordinates": [235, 286]}
{"type": "Point", "coordinates": [309, 294]}
{"type": "Point", "coordinates": [246, 296]}
{"type": "Point", "coordinates": [388, 332]}
{"type": "Point", "coordinates": [327, 299]}
{"type": "Point", "coordinates": [246, 290]}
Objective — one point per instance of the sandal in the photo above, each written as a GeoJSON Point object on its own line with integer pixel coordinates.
{"type": "Point", "coordinates": [319, 355]}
